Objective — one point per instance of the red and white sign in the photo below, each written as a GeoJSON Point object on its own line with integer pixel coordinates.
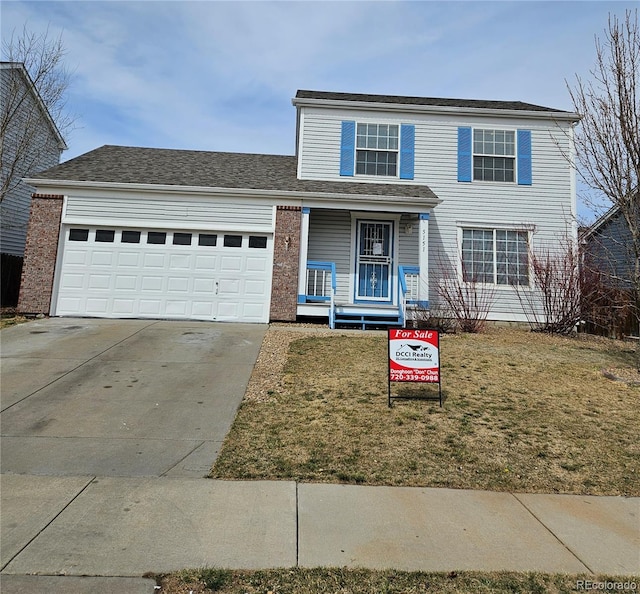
{"type": "Point", "coordinates": [414, 356]}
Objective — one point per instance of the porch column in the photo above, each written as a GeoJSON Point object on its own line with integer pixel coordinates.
{"type": "Point", "coordinates": [423, 260]}
{"type": "Point", "coordinates": [304, 248]}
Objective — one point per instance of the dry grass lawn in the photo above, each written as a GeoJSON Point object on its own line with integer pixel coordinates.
{"type": "Point", "coordinates": [524, 412]}
{"type": "Point", "coordinates": [363, 581]}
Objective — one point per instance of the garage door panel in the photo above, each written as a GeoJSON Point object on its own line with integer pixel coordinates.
{"type": "Point", "coordinates": [102, 258]}
{"type": "Point", "coordinates": [231, 264]}
{"type": "Point", "coordinates": [229, 280]}
{"type": "Point", "coordinates": [203, 308]}
{"type": "Point", "coordinates": [204, 285]}
{"type": "Point", "coordinates": [205, 263]}
{"type": "Point", "coordinates": [229, 287]}
{"type": "Point", "coordinates": [176, 308]}
{"type": "Point", "coordinates": [152, 283]}
{"type": "Point", "coordinates": [227, 311]}
{"type": "Point", "coordinates": [73, 281]}
{"type": "Point", "coordinates": [154, 260]}
{"type": "Point", "coordinates": [129, 259]}
{"type": "Point", "coordinates": [256, 264]}
{"type": "Point", "coordinates": [123, 307]}
{"type": "Point", "coordinates": [254, 287]}
{"type": "Point", "coordinates": [96, 306]}
{"type": "Point", "coordinates": [99, 281]}
{"type": "Point", "coordinates": [180, 262]}
{"type": "Point", "coordinates": [125, 282]}
{"type": "Point", "coordinates": [79, 257]}
{"type": "Point", "coordinates": [150, 307]}
{"type": "Point", "coordinates": [178, 284]}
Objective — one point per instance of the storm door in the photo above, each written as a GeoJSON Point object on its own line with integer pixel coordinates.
{"type": "Point", "coordinates": [374, 261]}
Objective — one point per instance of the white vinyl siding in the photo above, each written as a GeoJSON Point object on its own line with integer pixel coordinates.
{"type": "Point", "coordinates": [170, 211]}
{"type": "Point", "coordinates": [546, 209]}
{"type": "Point", "coordinates": [330, 241]}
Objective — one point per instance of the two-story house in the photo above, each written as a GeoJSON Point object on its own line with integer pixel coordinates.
{"type": "Point", "coordinates": [29, 142]}
{"type": "Point", "coordinates": [385, 196]}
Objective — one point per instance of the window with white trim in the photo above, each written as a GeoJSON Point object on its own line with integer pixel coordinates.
{"type": "Point", "coordinates": [377, 149]}
{"type": "Point", "coordinates": [495, 256]}
{"type": "Point", "coordinates": [494, 155]}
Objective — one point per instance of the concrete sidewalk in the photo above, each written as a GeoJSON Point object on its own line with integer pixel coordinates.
{"type": "Point", "coordinates": [118, 527]}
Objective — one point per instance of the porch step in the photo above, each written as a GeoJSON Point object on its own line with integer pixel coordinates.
{"type": "Point", "coordinates": [364, 319]}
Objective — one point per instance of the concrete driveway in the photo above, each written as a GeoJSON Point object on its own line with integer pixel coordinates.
{"type": "Point", "coordinates": [125, 398]}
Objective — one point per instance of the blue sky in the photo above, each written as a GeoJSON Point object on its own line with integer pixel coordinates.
{"type": "Point", "coordinates": [220, 76]}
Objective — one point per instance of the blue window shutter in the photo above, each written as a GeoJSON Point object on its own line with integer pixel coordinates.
{"type": "Point", "coordinates": [347, 148]}
{"type": "Point", "coordinates": [464, 154]}
{"type": "Point", "coordinates": [524, 158]}
{"type": "Point", "coordinates": [407, 150]}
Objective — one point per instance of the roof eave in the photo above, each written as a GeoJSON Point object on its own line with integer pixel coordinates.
{"type": "Point", "coordinates": [437, 109]}
{"type": "Point", "coordinates": [429, 202]}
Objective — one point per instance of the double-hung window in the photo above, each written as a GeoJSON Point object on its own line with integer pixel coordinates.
{"type": "Point", "coordinates": [377, 149]}
{"type": "Point", "coordinates": [494, 155]}
{"type": "Point", "coordinates": [495, 256]}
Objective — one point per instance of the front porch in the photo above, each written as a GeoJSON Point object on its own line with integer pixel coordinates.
{"type": "Point", "coordinates": [320, 299]}
{"type": "Point", "coordinates": [363, 269]}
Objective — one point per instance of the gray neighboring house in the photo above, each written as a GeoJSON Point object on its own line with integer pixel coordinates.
{"type": "Point", "coordinates": [29, 142]}
{"type": "Point", "coordinates": [608, 249]}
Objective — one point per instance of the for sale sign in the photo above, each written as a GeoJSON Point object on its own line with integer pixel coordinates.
{"type": "Point", "coordinates": [414, 356]}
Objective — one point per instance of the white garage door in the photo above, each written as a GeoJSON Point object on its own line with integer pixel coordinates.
{"type": "Point", "coordinates": [137, 273]}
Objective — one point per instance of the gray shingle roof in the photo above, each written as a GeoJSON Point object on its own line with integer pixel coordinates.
{"type": "Point", "coordinates": [133, 165]}
{"type": "Point", "coordinates": [427, 101]}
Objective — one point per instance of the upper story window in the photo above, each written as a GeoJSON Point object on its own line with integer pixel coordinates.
{"type": "Point", "coordinates": [377, 149]}
{"type": "Point", "coordinates": [494, 155]}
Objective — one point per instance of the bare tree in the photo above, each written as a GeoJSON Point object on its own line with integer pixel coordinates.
{"type": "Point", "coordinates": [608, 140]}
{"type": "Point", "coordinates": [34, 82]}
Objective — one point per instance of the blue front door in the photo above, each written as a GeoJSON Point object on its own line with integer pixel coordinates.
{"type": "Point", "coordinates": [374, 261]}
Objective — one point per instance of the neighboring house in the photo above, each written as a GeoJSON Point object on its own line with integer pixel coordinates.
{"type": "Point", "coordinates": [385, 197]}
{"type": "Point", "coordinates": [29, 142]}
{"type": "Point", "coordinates": [607, 248]}
{"type": "Point", "coordinates": [611, 264]}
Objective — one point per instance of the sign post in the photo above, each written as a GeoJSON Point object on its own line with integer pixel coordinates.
{"type": "Point", "coordinates": [414, 356]}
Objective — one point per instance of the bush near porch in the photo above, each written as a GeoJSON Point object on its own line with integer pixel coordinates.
{"type": "Point", "coordinates": [524, 412]}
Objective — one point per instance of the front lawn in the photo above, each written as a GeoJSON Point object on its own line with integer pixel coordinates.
{"type": "Point", "coordinates": [524, 412]}
{"type": "Point", "coordinates": [363, 581]}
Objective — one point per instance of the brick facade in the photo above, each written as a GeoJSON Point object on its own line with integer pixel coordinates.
{"type": "Point", "coordinates": [40, 254]}
{"type": "Point", "coordinates": [286, 261]}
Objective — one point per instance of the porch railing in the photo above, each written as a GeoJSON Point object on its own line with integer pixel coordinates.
{"type": "Point", "coordinates": [408, 288]}
{"type": "Point", "coordinates": [321, 286]}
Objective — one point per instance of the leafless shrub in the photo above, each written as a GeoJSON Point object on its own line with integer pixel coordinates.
{"type": "Point", "coordinates": [469, 301]}
{"type": "Point", "coordinates": [553, 302]}
{"type": "Point", "coordinates": [435, 318]}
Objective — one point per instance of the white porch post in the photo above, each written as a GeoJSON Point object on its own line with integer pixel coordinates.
{"type": "Point", "coordinates": [423, 260]}
{"type": "Point", "coordinates": [304, 247]}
